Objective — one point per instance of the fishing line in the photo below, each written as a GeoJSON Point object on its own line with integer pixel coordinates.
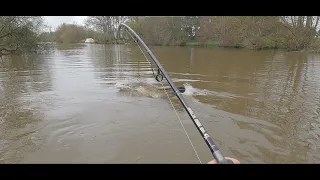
{"type": "Point", "coordinates": [216, 153]}
{"type": "Point", "coordinates": [159, 73]}
{"type": "Point", "coordinates": [170, 102]}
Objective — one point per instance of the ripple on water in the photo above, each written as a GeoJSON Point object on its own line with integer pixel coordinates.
{"type": "Point", "coordinates": [65, 107]}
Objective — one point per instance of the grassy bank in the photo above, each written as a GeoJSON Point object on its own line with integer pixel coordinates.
{"type": "Point", "coordinates": [258, 44]}
{"type": "Point", "coordinates": [199, 44]}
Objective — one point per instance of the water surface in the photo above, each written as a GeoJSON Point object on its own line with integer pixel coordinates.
{"type": "Point", "coordinates": [67, 106]}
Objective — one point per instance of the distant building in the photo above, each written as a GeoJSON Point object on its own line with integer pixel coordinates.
{"type": "Point", "coordinates": [89, 40]}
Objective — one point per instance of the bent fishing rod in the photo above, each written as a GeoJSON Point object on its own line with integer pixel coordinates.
{"type": "Point", "coordinates": [213, 147]}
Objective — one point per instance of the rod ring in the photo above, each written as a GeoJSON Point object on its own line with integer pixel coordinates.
{"type": "Point", "coordinates": [159, 77]}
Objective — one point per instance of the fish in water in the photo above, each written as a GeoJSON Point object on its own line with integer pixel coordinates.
{"type": "Point", "coordinates": [151, 90]}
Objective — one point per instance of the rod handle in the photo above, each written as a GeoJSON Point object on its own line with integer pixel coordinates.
{"type": "Point", "coordinates": [226, 161]}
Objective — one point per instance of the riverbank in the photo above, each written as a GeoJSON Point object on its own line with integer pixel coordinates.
{"type": "Point", "coordinates": [259, 44]}
{"type": "Point", "coordinates": [267, 45]}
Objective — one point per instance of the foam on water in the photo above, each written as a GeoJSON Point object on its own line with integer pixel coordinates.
{"type": "Point", "coordinates": [191, 91]}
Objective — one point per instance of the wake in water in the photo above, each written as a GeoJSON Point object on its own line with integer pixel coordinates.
{"type": "Point", "coordinates": [146, 87]}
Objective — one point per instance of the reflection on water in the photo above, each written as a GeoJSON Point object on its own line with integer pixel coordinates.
{"type": "Point", "coordinates": [69, 106]}
{"type": "Point", "coordinates": [24, 81]}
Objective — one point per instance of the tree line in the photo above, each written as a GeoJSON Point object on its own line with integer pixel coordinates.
{"type": "Point", "coordinates": [23, 33]}
{"type": "Point", "coordinates": [255, 32]}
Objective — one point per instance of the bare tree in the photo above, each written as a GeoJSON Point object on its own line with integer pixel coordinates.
{"type": "Point", "coordinates": [106, 25]}
{"type": "Point", "coordinates": [19, 33]}
{"type": "Point", "coordinates": [301, 30]}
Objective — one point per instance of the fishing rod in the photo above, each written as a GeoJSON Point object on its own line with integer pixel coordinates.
{"type": "Point", "coordinates": [213, 147]}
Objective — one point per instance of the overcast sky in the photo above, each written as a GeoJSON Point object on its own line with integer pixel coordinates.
{"type": "Point", "coordinates": [55, 21]}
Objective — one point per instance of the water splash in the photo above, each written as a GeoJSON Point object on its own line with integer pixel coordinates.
{"type": "Point", "coordinates": [191, 91]}
{"type": "Point", "coordinates": [146, 88]}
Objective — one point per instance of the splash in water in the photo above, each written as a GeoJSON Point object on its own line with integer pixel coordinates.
{"type": "Point", "coordinates": [139, 87]}
{"type": "Point", "coordinates": [191, 91]}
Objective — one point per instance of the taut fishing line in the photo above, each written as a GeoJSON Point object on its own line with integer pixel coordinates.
{"type": "Point", "coordinates": [162, 73]}
{"type": "Point", "coordinates": [170, 101]}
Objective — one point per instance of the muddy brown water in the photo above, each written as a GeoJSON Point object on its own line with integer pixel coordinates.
{"type": "Point", "coordinates": [67, 106]}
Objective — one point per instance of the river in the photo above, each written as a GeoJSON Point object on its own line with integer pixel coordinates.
{"type": "Point", "coordinates": [67, 106]}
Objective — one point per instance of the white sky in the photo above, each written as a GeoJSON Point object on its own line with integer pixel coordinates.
{"type": "Point", "coordinates": [55, 21]}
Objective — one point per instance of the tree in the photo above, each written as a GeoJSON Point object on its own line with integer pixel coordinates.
{"type": "Point", "coordinates": [70, 33]}
{"type": "Point", "coordinates": [191, 25]}
{"type": "Point", "coordinates": [301, 30]}
{"type": "Point", "coordinates": [19, 33]}
{"type": "Point", "coordinates": [106, 24]}
{"type": "Point", "coordinates": [163, 30]}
